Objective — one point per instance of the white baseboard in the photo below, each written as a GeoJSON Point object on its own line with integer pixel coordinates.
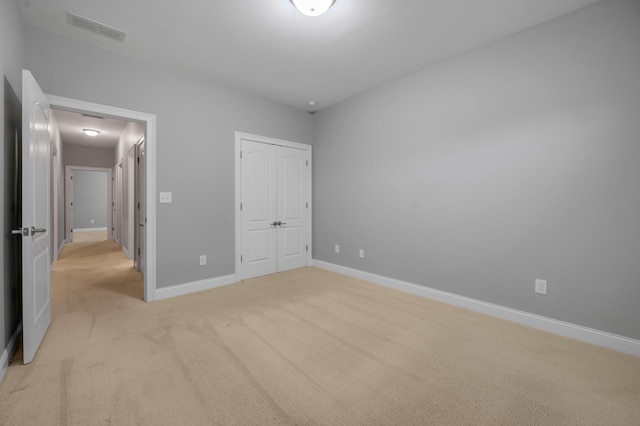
{"type": "Point", "coordinates": [9, 351]}
{"type": "Point", "coordinates": [61, 247]}
{"type": "Point", "coordinates": [562, 328]}
{"type": "Point", "coordinates": [192, 287]}
{"type": "Point", "coordinates": [89, 229]}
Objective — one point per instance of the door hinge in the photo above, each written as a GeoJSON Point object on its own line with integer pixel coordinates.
{"type": "Point", "coordinates": [240, 258]}
{"type": "Point", "coordinates": [138, 160]}
{"type": "Point", "coordinates": [71, 177]}
{"type": "Point", "coordinates": [138, 205]}
{"type": "Point", "coordinates": [240, 154]}
{"type": "Point", "coordinates": [307, 247]}
{"type": "Point", "coordinates": [240, 206]}
{"type": "Point", "coordinates": [307, 163]}
{"type": "Point", "coordinates": [307, 205]}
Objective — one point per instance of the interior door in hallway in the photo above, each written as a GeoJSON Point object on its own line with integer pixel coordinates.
{"type": "Point", "coordinates": [36, 256]}
{"type": "Point", "coordinates": [70, 207]}
{"type": "Point", "coordinates": [275, 220]}
{"type": "Point", "coordinates": [141, 207]}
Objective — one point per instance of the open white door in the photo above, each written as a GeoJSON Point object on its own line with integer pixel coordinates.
{"type": "Point", "coordinates": [36, 258]}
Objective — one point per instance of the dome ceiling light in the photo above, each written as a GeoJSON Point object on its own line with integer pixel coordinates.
{"type": "Point", "coordinates": [91, 132]}
{"type": "Point", "coordinates": [313, 7]}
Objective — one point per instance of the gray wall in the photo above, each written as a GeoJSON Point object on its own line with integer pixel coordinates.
{"type": "Point", "coordinates": [516, 161]}
{"type": "Point", "coordinates": [89, 199]}
{"type": "Point", "coordinates": [196, 121]}
{"type": "Point", "coordinates": [11, 63]}
{"type": "Point", "coordinates": [87, 156]}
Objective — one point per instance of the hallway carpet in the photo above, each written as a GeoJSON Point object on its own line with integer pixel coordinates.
{"type": "Point", "coordinates": [303, 347]}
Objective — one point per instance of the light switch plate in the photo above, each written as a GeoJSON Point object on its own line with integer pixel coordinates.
{"type": "Point", "coordinates": [165, 197]}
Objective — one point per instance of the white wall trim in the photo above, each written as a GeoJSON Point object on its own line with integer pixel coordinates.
{"type": "Point", "coordinates": [195, 286]}
{"type": "Point", "coordinates": [89, 229]}
{"type": "Point", "coordinates": [61, 246]}
{"type": "Point", "coordinates": [10, 350]}
{"type": "Point", "coordinates": [149, 120]}
{"type": "Point", "coordinates": [562, 328]}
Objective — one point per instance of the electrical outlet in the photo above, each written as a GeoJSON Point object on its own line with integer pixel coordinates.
{"type": "Point", "coordinates": [541, 287]}
{"type": "Point", "coordinates": [203, 259]}
{"type": "Point", "coordinates": [165, 197]}
{"type": "Point", "coordinates": [337, 248]}
{"type": "Point", "coordinates": [361, 252]}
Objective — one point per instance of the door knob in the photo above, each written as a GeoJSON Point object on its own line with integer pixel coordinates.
{"type": "Point", "coordinates": [274, 224]}
{"type": "Point", "coordinates": [20, 231]}
{"type": "Point", "coordinates": [281, 223]}
{"type": "Point", "coordinates": [34, 231]}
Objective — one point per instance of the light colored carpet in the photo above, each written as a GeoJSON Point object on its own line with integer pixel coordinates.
{"type": "Point", "coordinates": [300, 348]}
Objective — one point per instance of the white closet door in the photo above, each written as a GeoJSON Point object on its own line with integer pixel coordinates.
{"type": "Point", "coordinates": [259, 186]}
{"type": "Point", "coordinates": [292, 207]}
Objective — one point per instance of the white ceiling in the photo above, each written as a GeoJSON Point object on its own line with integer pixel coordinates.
{"type": "Point", "coordinates": [72, 123]}
{"type": "Point", "coordinates": [267, 47]}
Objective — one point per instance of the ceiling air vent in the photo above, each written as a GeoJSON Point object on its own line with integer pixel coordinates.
{"type": "Point", "coordinates": [95, 27]}
{"type": "Point", "coordinates": [92, 116]}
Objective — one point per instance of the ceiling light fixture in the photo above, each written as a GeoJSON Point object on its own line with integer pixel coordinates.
{"type": "Point", "coordinates": [91, 132]}
{"type": "Point", "coordinates": [313, 7]}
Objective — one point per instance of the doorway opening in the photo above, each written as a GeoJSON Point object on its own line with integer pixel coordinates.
{"type": "Point", "coordinates": [133, 166]}
{"type": "Point", "coordinates": [100, 185]}
{"type": "Point", "coordinates": [87, 199]}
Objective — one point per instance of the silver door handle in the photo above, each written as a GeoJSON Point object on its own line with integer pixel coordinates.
{"type": "Point", "coordinates": [20, 231]}
{"type": "Point", "coordinates": [281, 223]}
{"type": "Point", "coordinates": [274, 224]}
{"type": "Point", "coordinates": [34, 231]}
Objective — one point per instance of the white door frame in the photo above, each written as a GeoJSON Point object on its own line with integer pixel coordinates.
{"type": "Point", "coordinates": [238, 189]}
{"type": "Point", "coordinates": [149, 120]}
{"type": "Point", "coordinates": [68, 195]}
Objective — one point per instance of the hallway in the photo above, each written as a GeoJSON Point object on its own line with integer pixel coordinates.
{"type": "Point", "coordinates": [91, 275]}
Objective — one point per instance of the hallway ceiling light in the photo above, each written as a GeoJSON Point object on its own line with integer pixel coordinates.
{"type": "Point", "coordinates": [313, 7]}
{"type": "Point", "coordinates": [91, 132]}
